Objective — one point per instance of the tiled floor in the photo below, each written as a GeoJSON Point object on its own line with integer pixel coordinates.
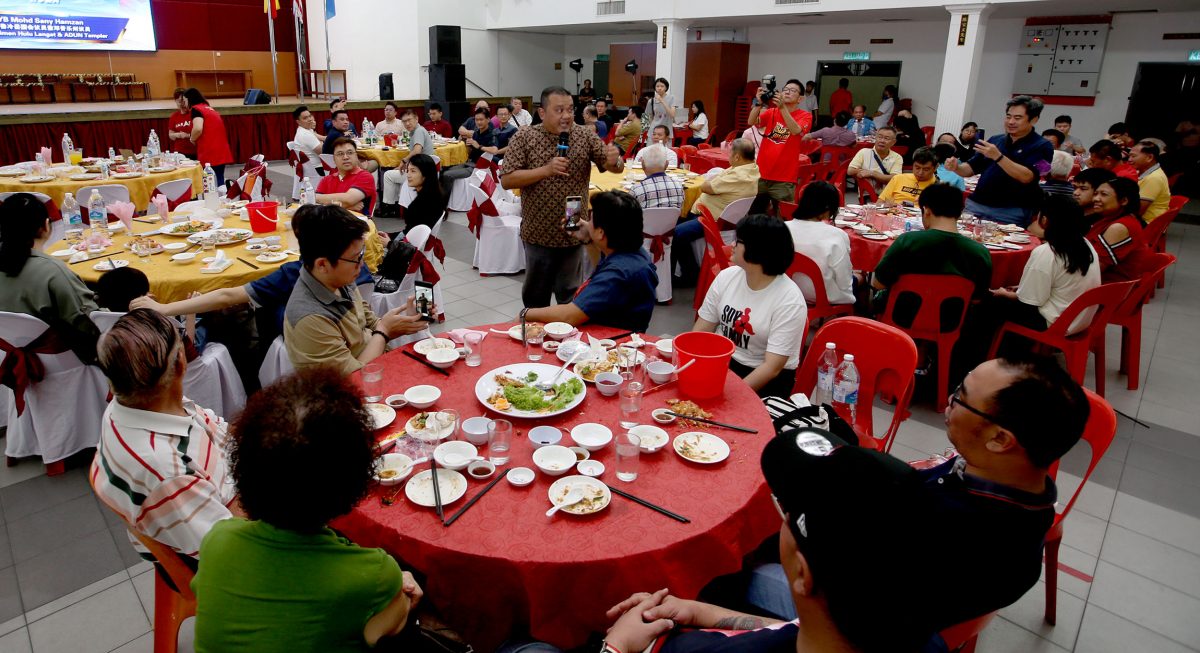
{"type": "Point", "coordinates": [69, 582]}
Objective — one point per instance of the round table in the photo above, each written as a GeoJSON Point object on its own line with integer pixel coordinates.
{"type": "Point", "coordinates": [602, 181]}
{"type": "Point", "coordinates": [503, 565]}
{"type": "Point", "coordinates": [173, 281]}
{"type": "Point", "coordinates": [140, 188]}
{"type": "Point", "coordinates": [450, 153]}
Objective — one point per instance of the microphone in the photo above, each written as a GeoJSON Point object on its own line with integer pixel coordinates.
{"type": "Point", "coordinates": [562, 143]}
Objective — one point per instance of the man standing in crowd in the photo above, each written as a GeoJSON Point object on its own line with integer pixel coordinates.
{"type": "Point", "coordinates": [657, 189]}
{"type": "Point", "coordinates": [306, 137]}
{"type": "Point", "coordinates": [1010, 165]}
{"type": "Point", "coordinates": [519, 115]}
{"type": "Point", "coordinates": [179, 126]}
{"type": "Point", "coordinates": [602, 107]}
{"type": "Point", "coordinates": [1152, 181]}
{"type": "Point", "coordinates": [1071, 144]}
{"type": "Point", "coordinates": [1108, 154]}
{"type": "Point", "coordinates": [841, 99]}
{"type": "Point", "coordinates": [836, 135]}
{"type": "Point", "coordinates": [879, 164]}
{"type": "Point", "coordinates": [811, 104]}
{"type": "Point", "coordinates": [437, 124]}
{"type": "Point", "coordinates": [660, 135]}
{"type": "Point", "coordinates": [783, 125]}
{"type": "Point", "coordinates": [550, 163]}
{"type": "Point", "coordinates": [887, 107]}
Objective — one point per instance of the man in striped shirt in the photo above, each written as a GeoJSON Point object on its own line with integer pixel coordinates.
{"type": "Point", "coordinates": [657, 189]}
{"type": "Point", "coordinates": [161, 460]}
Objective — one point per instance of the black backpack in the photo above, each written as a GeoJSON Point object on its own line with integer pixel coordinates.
{"type": "Point", "coordinates": [394, 266]}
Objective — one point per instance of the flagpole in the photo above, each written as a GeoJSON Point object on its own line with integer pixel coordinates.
{"type": "Point", "coordinates": [296, 20]}
{"type": "Point", "coordinates": [274, 72]}
{"type": "Point", "coordinates": [325, 13]}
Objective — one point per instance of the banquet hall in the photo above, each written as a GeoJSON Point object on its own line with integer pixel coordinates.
{"type": "Point", "coordinates": [599, 257]}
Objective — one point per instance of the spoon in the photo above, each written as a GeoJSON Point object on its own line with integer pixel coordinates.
{"type": "Point", "coordinates": [456, 459]}
{"type": "Point", "coordinates": [573, 497]}
{"type": "Point", "coordinates": [546, 387]}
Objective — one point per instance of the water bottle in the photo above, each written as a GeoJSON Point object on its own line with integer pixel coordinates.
{"type": "Point", "coordinates": [112, 154]}
{"type": "Point", "coordinates": [826, 369]}
{"type": "Point", "coordinates": [70, 213]}
{"type": "Point", "coordinates": [307, 195]}
{"type": "Point", "coordinates": [211, 200]}
{"type": "Point", "coordinates": [97, 212]}
{"type": "Point", "coordinates": [845, 388]}
{"type": "Point", "coordinates": [67, 147]}
{"type": "Point", "coordinates": [104, 168]}
{"type": "Point", "coordinates": [365, 126]}
{"type": "Point", "coordinates": [40, 166]}
{"type": "Point", "coordinates": [152, 145]}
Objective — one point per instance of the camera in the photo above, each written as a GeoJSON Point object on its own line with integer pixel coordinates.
{"type": "Point", "coordinates": [768, 84]}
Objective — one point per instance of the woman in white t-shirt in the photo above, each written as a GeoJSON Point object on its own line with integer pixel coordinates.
{"type": "Point", "coordinates": [699, 124]}
{"type": "Point", "coordinates": [887, 107]}
{"type": "Point", "coordinates": [756, 305]}
{"type": "Point", "coordinates": [822, 242]}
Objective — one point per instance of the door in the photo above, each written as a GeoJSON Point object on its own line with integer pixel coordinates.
{"type": "Point", "coordinates": [867, 79]}
{"type": "Point", "coordinates": [1163, 95]}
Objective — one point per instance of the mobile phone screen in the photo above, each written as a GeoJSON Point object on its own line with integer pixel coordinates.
{"type": "Point", "coordinates": [423, 300]}
{"type": "Point", "coordinates": [574, 206]}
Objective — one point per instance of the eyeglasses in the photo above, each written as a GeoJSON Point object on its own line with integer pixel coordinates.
{"type": "Point", "coordinates": [357, 261]}
{"type": "Point", "coordinates": [346, 154]}
{"type": "Point", "coordinates": [956, 398]}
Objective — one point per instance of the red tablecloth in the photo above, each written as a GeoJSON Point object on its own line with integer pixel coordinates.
{"type": "Point", "coordinates": [505, 566]}
{"type": "Point", "coordinates": [705, 160]}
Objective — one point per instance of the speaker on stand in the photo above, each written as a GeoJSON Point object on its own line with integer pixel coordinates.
{"type": "Point", "coordinates": [387, 91]}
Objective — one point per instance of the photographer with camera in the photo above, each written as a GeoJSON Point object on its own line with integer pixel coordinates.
{"type": "Point", "coordinates": [784, 123]}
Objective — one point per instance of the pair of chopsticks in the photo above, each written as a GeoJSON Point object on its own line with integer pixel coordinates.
{"type": "Point", "coordinates": [475, 498]}
{"type": "Point", "coordinates": [426, 363]}
{"type": "Point", "coordinates": [437, 489]}
{"type": "Point", "coordinates": [660, 509]}
{"type": "Point", "coordinates": [713, 422]}
{"type": "Point", "coordinates": [247, 262]}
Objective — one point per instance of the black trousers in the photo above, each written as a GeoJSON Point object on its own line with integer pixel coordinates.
{"type": "Point", "coordinates": [780, 386]}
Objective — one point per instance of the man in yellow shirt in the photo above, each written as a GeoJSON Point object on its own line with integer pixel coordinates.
{"type": "Point", "coordinates": [738, 181]}
{"type": "Point", "coordinates": [1153, 187]}
{"type": "Point", "coordinates": [907, 186]}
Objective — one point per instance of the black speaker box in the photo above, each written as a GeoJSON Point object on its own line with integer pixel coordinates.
{"type": "Point", "coordinates": [257, 96]}
{"type": "Point", "coordinates": [445, 44]}
{"type": "Point", "coordinates": [386, 90]}
{"type": "Point", "coordinates": [448, 81]}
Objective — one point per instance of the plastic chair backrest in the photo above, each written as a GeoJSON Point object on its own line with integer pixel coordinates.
{"type": "Point", "coordinates": [704, 146]}
{"type": "Point", "coordinates": [110, 192]}
{"type": "Point", "coordinates": [957, 635]}
{"type": "Point", "coordinates": [839, 155]}
{"type": "Point", "coordinates": [803, 176]}
{"type": "Point", "coordinates": [659, 220]}
{"type": "Point", "coordinates": [866, 192]}
{"type": "Point", "coordinates": [809, 146]}
{"type": "Point", "coordinates": [805, 266]}
{"type": "Point", "coordinates": [1157, 227]}
{"type": "Point", "coordinates": [900, 149]}
{"type": "Point", "coordinates": [51, 207]}
{"type": "Point", "coordinates": [714, 246]}
{"type": "Point", "coordinates": [736, 210]}
{"type": "Point", "coordinates": [686, 152]}
{"type": "Point", "coordinates": [928, 130]}
{"type": "Point", "coordinates": [175, 188]}
{"type": "Point", "coordinates": [934, 291]}
{"type": "Point", "coordinates": [1155, 264]}
{"type": "Point", "coordinates": [1099, 432]}
{"type": "Point", "coordinates": [1105, 298]}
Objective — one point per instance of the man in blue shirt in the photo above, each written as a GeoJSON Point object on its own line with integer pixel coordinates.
{"type": "Point", "coordinates": [340, 126]}
{"type": "Point", "coordinates": [620, 292]}
{"type": "Point", "coordinates": [1009, 166]}
{"type": "Point", "coordinates": [860, 124]}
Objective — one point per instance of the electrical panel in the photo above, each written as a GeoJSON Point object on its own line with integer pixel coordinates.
{"type": "Point", "coordinates": [1060, 59]}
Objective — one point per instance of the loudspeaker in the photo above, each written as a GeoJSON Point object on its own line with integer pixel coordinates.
{"type": "Point", "coordinates": [445, 44]}
{"type": "Point", "coordinates": [386, 90]}
{"type": "Point", "coordinates": [448, 81]}
{"type": "Point", "coordinates": [257, 96]}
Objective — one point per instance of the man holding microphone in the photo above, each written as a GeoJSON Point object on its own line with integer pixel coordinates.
{"type": "Point", "coordinates": [550, 162]}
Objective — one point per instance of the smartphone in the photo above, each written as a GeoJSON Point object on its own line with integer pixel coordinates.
{"type": "Point", "coordinates": [423, 300]}
{"type": "Point", "coordinates": [574, 206]}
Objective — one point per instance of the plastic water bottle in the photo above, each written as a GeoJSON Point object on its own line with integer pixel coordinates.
{"type": "Point", "coordinates": [826, 369]}
{"type": "Point", "coordinates": [307, 195]}
{"type": "Point", "coordinates": [112, 154]}
{"type": "Point", "coordinates": [104, 168]}
{"type": "Point", "coordinates": [97, 213]}
{"type": "Point", "coordinates": [845, 388]}
{"type": "Point", "coordinates": [41, 164]}
{"type": "Point", "coordinates": [67, 147]}
{"type": "Point", "coordinates": [365, 127]}
{"type": "Point", "coordinates": [153, 147]}
{"type": "Point", "coordinates": [211, 200]}
{"type": "Point", "coordinates": [71, 215]}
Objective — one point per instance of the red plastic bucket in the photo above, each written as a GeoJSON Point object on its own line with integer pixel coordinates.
{"type": "Point", "coordinates": [263, 216]}
{"type": "Point", "coordinates": [705, 378]}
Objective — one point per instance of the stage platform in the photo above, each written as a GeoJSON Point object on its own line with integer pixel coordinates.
{"type": "Point", "coordinates": [24, 114]}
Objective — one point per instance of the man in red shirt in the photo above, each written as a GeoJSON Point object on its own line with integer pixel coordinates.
{"type": "Point", "coordinates": [179, 127]}
{"type": "Point", "coordinates": [350, 187]}
{"type": "Point", "coordinates": [436, 124]}
{"type": "Point", "coordinates": [841, 99]}
{"type": "Point", "coordinates": [1108, 155]}
{"type": "Point", "coordinates": [783, 126]}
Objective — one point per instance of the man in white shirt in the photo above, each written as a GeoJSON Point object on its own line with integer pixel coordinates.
{"type": "Point", "coordinates": [879, 164]}
{"type": "Point", "coordinates": [825, 244]}
{"type": "Point", "coordinates": [810, 103]}
{"type": "Point", "coordinates": [660, 136]}
{"type": "Point", "coordinates": [519, 115]}
{"type": "Point", "coordinates": [390, 124]}
{"type": "Point", "coordinates": [887, 107]}
{"type": "Point", "coordinates": [306, 136]}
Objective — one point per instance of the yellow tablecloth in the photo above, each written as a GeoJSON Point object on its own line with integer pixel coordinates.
{"type": "Point", "coordinates": [602, 181]}
{"type": "Point", "coordinates": [140, 188]}
{"type": "Point", "coordinates": [173, 281]}
{"type": "Point", "coordinates": [451, 154]}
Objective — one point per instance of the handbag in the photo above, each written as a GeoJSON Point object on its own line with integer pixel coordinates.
{"type": "Point", "coordinates": [788, 417]}
{"type": "Point", "coordinates": [394, 266]}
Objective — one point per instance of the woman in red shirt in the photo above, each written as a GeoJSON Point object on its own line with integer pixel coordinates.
{"type": "Point", "coordinates": [1116, 233]}
{"type": "Point", "coordinates": [208, 133]}
{"type": "Point", "coordinates": [179, 127]}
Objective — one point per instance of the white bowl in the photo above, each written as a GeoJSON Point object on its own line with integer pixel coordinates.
{"type": "Point", "coordinates": [422, 396]}
{"type": "Point", "coordinates": [464, 449]}
{"type": "Point", "coordinates": [558, 330]}
{"type": "Point", "coordinates": [176, 247]}
{"type": "Point", "coordinates": [569, 348]}
{"type": "Point", "coordinates": [481, 469]}
{"type": "Point", "coordinates": [580, 453]}
{"type": "Point", "coordinates": [609, 383]}
{"type": "Point", "coordinates": [660, 415]}
{"type": "Point", "coordinates": [590, 467]}
{"type": "Point", "coordinates": [652, 438]}
{"type": "Point", "coordinates": [665, 347]}
{"type": "Point", "coordinates": [606, 343]}
{"type": "Point", "coordinates": [660, 371]}
{"type": "Point", "coordinates": [550, 345]}
{"type": "Point", "coordinates": [183, 258]}
{"type": "Point", "coordinates": [520, 476]}
{"type": "Point", "coordinates": [475, 430]}
{"type": "Point", "coordinates": [591, 436]}
{"type": "Point", "coordinates": [396, 401]}
{"type": "Point", "coordinates": [542, 436]}
{"type": "Point", "coordinates": [554, 460]}
{"type": "Point", "coordinates": [402, 464]}
{"type": "Point", "coordinates": [442, 358]}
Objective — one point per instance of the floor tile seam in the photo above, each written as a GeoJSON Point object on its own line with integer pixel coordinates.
{"type": "Point", "coordinates": [139, 636]}
{"type": "Point", "coordinates": [1037, 634]}
{"type": "Point", "coordinates": [42, 552]}
{"type": "Point", "coordinates": [1134, 623]}
{"type": "Point", "coordinates": [1186, 593]}
{"type": "Point", "coordinates": [30, 622]}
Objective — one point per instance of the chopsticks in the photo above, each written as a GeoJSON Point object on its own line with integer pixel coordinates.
{"type": "Point", "coordinates": [145, 221]}
{"type": "Point", "coordinates": [437, 489]}
{"type": "Point", "coordinates": [247, 262]}
{"type": "Point", "coordinates": [679, 518]}
{"type": "Point", "coordinates": [622, 335]}
{"type": "Point", "coordinates": [426, 363]}
{"type": "Point", "coordinates": [475, 498]}
{"type": "Point", "coordinates": [713, 422]}
{"type": "Point", "coordinates": [90, 258]}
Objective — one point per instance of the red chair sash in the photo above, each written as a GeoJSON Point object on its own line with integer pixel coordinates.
{"type": "Point", "coordinates": [658, 244]}
{"type": "Point", "coordinates": [297, 160]}
{"type": "Point", "coordinates": [421, 262]}
{"type": "Point", "coordinates": [488, 185]}
{"type": "Point", "coordinates": [252, 169]}
{"type": "Point", "coordinates": [435, 245]}
{"type": "Point", "coordinates": [173, 203]}
{"type": "Point", "coordinates": [475, 216]}
{"type": "Point", "coordinates": [22, 366]}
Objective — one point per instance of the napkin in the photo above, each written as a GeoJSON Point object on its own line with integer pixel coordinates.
{"type": "Point", "coordinates": [460, 335]}
{"type": "Point", "coordinates": [46, 154]}
{"type": "Point", "coordinates": [219, 262]}
{"type": "Point", "coordinates": [123, 211]}
{"type": "Point", "coordinates": [160, 206]}
{"type": "Point", "coordinates": [597, 350]}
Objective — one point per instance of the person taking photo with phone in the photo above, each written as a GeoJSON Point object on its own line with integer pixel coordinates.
{"type": "Point", "coordinates": [784, 122]}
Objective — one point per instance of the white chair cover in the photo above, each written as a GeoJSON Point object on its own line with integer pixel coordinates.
{"type": "Point", "coordinates": [308, 169]}
{"type": "Point", "coordinates": [418, 237]}
{"type": "Point", "coordinates": [460, 192]}
{"type": "Point", "coordinates": [276, 364]}
{"type": "Point", "coordinates": [733, 214]}
{"type": "Point", "coordinates": [63, 412]}
{"type": "Point", "coordinates": [252, 182]}
{"type": "Point", "coordinates": [175, 189]}
{"type": "Point", "coordinates": [498, 246]}
{"type": "Point", "coordinates": [657, 222]}
{"type": "Point", "coordinates": [58, 227]}
{"type": "Point", "coordinates": [112, 193]}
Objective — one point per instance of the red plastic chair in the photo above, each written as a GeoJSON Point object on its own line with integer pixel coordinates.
{"type": "Point", "coordinates": [821, 308]}
{"type": "Point", "coordinates": [716, 256]}
{"type": "Point", "coordinates": [786, 209]}
{"type": "Point", "coordinates": [934, 291]}
{"type": "Point", "coordinates": [804, 176]}
{"type": "Point", "coordinates": [928, 129]}
{"type": "Point", "coordinates": [866, 192]}
{"type": "Point", "coordinates": [838, 155]}
{"type": "Point", "coordinates": [686, 152]}
{"type": "Point", "coordinates": [1099, 432]}
{"type": "Point", "coordinates": [1075, 347]}
{"type": "Point", "coordinates": [1155, 233]}
{"type": "Point", "coordinates": [1128, 316]}
{"type": "Point", "coordinates": [833, 173]}
{"type": "Point", "coordinates": [900, 149]}
{"type": "Point", "coordinates": [961, 638]}
{"type": "Point", "coordinates": [808, 147]}
{"type": "Point", "coordinates": [886, 359]}
{"type": "Point", "coordinates": [704, 146]}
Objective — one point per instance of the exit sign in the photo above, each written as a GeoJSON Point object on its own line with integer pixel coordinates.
{"type": "Point", "coordinates": [1194, 55]}
{"type": "Point", "coordinates": [856, 56]}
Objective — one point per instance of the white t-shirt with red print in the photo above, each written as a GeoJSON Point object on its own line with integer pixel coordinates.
{"type": "Point", "coordinates": [757, 321]}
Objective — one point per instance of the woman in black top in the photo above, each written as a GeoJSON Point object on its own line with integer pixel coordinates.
{"type": "Point", "coordinates": [429, 204]}
{"type": "Point", "coordinates": [911, 134]}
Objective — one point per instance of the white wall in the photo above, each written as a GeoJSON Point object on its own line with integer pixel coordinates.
{"type": "Point", "coordinates": [527, 63]}
{"type": "Point", "coordinates": [587, 47]}
{"type": "Point", "coordinates": [365, 58]}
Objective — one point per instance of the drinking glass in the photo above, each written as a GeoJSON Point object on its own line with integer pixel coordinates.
{"type": "Point", "coordinates": [474, 344]}
{"type": "Point", "coordinates": [450, 415]}
{"type": "Point", "coordinates": [628, 456]}
{"type": "Point", "coordinates": [76, 157]}
{"type": "Point", "coordinates": [499, 441]}
{"type": "Point", "coordinates": [533, 345]}
{"type": "Point", "coordinates": [627, 365]}
{"type": "Point", "coordinates": [208, 244]}
{"type": "Point", "coordinates": [631, 404]}
{"type": "Point", "coordinates": [372, 380]}
{"type": "Point", "coordinates": [142, 251]}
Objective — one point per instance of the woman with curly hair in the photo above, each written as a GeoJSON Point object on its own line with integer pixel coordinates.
{"type": "Point", "coordinates": [282, 580]}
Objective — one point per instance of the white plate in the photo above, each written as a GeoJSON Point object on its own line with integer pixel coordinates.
{"type": "Point", "coordinates": [437, 432]}
{"type": "Point", "coordinates": [174, 229]}
{"type": "Point", "coordinates": [514, 332]}
{"type": "Point", "coordinates": [451, 484]}
{"type": "Point", "coordinates": [127, 175]}
{"type": "Point", "coordinates": [703, 448]}
{"type": "Point", "coordinates": [235, 235]}
{"type": "Point", "coordinates": [486, 385]}
{"type": "Point", "coordinates": [861, 228]}
{"type": "Point", "coordinates": [105, 266]}
{"type": "Point", "coordinates": [271, 257]}
{"type": "Point", "coordinates": [1019, 240]}
{"type": "Point", "coordinates": [567, 349]}
{"type": "Point", "coordinates": [88, 176]}
{"type": "Point", "coordinates": [1010, 228]}
{"type": "Point", "coordinates": [35, 179]}
{"type": "Point", "coordinates": [160, 169]}
{"type": "Point", "coordinates": [381, 415]}
{"type": "Point", "coordinates": [875, 236]}
{"type": "Point", "coordinates": [641, 358]}
{"type": "Point", "coordinates": [590, 486]}
{"type": "Point", "coordinates": [429, 344]}
{"type": "Point", "coordinates": [13, 171]}
{"type": "Point", "coordinates": [62, 253]}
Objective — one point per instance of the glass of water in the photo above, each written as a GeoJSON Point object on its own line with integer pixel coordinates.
{"type": "Point", "coordinates": [631, 404]}
{"type": "Point", "coordinates": [499, 441]}
{"type": "Point", "coordinates": [142, 250]}
{"type": "Point", "coordinates": [372, 380]}
{"type": "Point", "coordinates": [628, 456]}
{"type": "Point", "coordinates": [533, 345]}
{"type": "Point", "coordinates": [474, 344]}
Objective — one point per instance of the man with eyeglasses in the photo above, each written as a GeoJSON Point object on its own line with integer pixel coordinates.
{"type": "Point", "coordinates": [350, 186]}
{"type": "Point", "coordinates": [327, 322]}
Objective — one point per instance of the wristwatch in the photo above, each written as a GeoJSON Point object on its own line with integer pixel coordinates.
{"type": "Point", "coordinates": [605, 647]}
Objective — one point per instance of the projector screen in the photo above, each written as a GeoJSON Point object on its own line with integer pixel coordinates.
{"type": "Point", "coordinates": [76, 25]}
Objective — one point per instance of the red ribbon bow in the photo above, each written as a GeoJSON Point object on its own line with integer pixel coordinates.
{"type": "Point", "coordinates": [252, 169]}
{"type": "Point", "coordinates": [421, 262]}
{"type": "Point", "coordinates": [435, 245]}
{"type": "Point", "coordinates": [22, 366]}
{"type": "Point", "coordinates": [297, 160]}
{"type": "Point", "coordinates": [476, 213]}
{"type": "Point", "coordinates": [658, 244]}
{"type": "Point", "coordinates": [488, 185]}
